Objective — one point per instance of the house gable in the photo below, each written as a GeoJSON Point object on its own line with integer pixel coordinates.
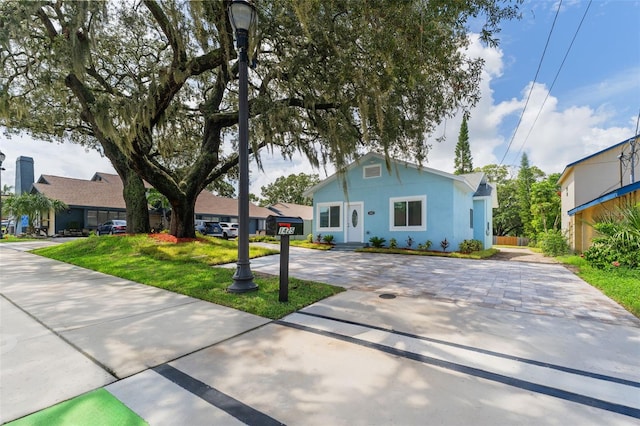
{"type": "Point", "coordinates": [373, 159]}
{"type": "Point", "coordinates": [403, 202]}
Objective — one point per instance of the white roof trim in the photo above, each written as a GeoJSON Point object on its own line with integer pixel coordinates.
{"type": "Point", "coordinates": [471, 180]}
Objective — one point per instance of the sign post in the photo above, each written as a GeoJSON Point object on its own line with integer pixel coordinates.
{"type": "Point", "coordinates": [284, 227]}
{"type": "Point", "coordinates": [283, 294]}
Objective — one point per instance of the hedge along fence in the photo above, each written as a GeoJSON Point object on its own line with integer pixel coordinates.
{"type": "Point", "coordinates": [510, 241]}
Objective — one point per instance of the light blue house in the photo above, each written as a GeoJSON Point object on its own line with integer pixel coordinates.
{"type": "Point", "coordinates": [408, 201]}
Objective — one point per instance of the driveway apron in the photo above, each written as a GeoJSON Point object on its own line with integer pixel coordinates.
{"type": "Point", "coordinates": [535, 288]}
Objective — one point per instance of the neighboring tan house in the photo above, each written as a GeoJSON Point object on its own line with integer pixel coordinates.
{"type": "Point", "coordinates": [295, 210]}
{"type": "Point", "coordinates": [405, 201]}
{"type": "Point", "coordinates": [92, 202]}
{"type": "Point", "coordinates": [594, 185]}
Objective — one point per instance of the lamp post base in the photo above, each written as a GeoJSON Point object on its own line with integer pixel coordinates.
{"type": "Point", "coordinates": [242, 280]}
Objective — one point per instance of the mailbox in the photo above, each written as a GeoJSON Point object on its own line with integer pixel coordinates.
{"type": "Point", "coordinates": [283, 225]}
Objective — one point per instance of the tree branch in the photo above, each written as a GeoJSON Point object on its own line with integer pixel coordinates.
{"type": "Point", "coordinates": [51, 30]}
{"type": "Point", "coordinates": [93, 73]}
{"type": "Point", "coordinates": [179, 53]}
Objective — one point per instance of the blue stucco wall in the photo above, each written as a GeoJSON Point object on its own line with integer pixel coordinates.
{"type": "Point", "coordinates": [483, 221]}
{"type": "Point", "coordinates": [447, 204]}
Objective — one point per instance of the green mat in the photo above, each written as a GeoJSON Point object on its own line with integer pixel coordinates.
{"type": "Point", "coordinates": [96, 408]}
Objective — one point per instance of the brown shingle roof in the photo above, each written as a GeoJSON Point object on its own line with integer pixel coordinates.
{"type": "Point", "coordinates": [207, 203]}
{"type": "Point", "coordinates": [294, 210]}
{"type": "Point", "coordinates": [104, 190]}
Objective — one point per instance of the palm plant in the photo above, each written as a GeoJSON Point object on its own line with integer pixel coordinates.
{"type": "Point", "coordinates": [622, 225]}
{"type": "Point", "coordinates": [32, 206]}
{"type": "Point", "coordinates": [619, 238]}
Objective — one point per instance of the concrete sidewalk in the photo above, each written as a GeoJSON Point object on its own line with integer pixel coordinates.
{"type": "Point", "coordinates": [67, 330]}
{"type": "Point", "coordinates": [353, 359]}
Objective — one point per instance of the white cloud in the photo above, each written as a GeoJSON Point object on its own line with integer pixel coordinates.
{"type": "Point", "coordinates": [561, 135]}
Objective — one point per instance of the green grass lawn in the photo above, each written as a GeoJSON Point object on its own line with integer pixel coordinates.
{"type": "Point", "coordinates": [9, 238]}
{"type": "Point", "coordinates": [294, 243]}
{"type": "Point", "coordinates": [188, 268]}
{"type": "Point", "coordinates": [619, 284]}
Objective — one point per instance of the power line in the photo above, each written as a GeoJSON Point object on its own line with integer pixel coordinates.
{"type": "Point", "coordinates": [575, 35]}
{"type": "Point", "coordinates": [535, 78]}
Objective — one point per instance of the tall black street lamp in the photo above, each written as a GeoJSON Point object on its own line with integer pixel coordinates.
{"type": "Point", "coordinates": [2, 157]}
{"type": "Point", "coordinates": [242, 15]}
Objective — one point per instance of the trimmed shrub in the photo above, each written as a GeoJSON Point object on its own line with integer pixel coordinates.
{"type": "Point", "coordinates": [377, 242]}
{"type": "Point", "coordinates": [426, 246]}
{"type": "Point", "coordinates": [469, 246]}
{"type": "Point", "coordinates": [553, 243]}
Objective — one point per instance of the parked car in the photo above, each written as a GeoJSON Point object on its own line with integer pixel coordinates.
{"type": "Point", "coordinates": [111, 227]}
{"type": "Point", "coordinates": [8, 227]}
{"type": "Point", "coordinates": [209, 228]}
{"type": "Point", "coordinates": [230, 230]}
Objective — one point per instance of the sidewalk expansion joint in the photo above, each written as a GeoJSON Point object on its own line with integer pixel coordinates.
{"type": "Point", "coordinates": [137, 314]}
{"type": "Point", "coordinates": [482, 351]}
{"type": "Point", "coordinates": [476, 372]}
{"type": "Point", "coordinates": [230, 405]}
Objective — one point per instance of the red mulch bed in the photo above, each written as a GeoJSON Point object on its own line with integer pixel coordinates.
{"type": "Point", "coordinates": [168, 238]}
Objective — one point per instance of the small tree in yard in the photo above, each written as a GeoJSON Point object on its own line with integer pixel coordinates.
{"type": "Point", "coordinates": [32, 206]}
{"type": "Point", "coordinates": [289, 190]}
{"type": "Point", "coordinates": [463, 162]}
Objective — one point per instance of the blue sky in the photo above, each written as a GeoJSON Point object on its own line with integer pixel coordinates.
{"type": "Point", "coordinates": [593, 104]}
{"type": "Point", "coordinates": [594, 101]}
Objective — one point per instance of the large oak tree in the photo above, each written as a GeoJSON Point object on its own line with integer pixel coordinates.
{"type": "Point", "coordinates": [153, 84]}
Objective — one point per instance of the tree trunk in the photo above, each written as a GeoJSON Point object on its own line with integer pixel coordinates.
{"type": "Point", "coordinates": [183, 218]}
{"type": "Point", "coordinates": [133, 191]}
{"type": "Point", "coordinates": [135, 198]}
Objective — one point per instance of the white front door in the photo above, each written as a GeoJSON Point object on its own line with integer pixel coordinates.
{"type": "Point", "coordinates": [354, 223]}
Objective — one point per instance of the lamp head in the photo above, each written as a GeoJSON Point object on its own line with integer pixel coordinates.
{"type": "Point", "coordinates": [243, 16]}
{"type": "Point", "coordinates": [2, 157]}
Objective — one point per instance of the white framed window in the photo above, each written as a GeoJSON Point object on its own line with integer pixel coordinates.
{"type": "Point", "coordinates": [408, 213]}
{"type": "Point", "coordinates": [329, 215]}
{"type": "Point", "coordinates": [369, 172]}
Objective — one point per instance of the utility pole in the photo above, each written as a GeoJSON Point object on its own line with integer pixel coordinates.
{"type": "Point", "coordinates": [633, 159]}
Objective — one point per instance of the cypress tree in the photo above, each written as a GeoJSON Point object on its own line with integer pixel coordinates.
{"type": "Point", "coordinates": [463, 160]}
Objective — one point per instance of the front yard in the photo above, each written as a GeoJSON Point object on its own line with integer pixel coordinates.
{"type": "Point", "coordinates": [188, 268]}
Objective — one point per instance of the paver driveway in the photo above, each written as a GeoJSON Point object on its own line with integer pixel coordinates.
{"type": "Point", "coordinates": [536, 288]}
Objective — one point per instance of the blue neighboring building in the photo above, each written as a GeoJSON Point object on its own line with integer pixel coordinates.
{"type": "Point", "coordinates": [368, 200]}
